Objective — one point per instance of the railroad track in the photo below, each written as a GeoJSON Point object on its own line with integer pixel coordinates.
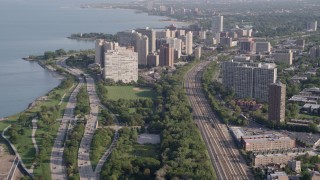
{"type": "Point", "coordinates": [223, 153]}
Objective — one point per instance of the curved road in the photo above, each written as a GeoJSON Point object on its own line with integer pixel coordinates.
{"type": "Point", "coordinates": [225, 157]}
{"type": "Point", "coordinates": [84, 164]}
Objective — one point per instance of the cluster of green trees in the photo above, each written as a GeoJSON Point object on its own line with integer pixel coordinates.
{"type": "Point", "coordinates": [48, 116]}
{"type": "Point", "coordinates": [17, 130]}
{"type": "Point", "coordinates": [132, 112]}
{"type": "Point", "coordinates": [70, 152]}
{"type": "Point", "coordinates": [107, 118]}
{"type": "Point", "coordinates": [218, 95]}
{"type": "Point", "coordinates": [94, 36]}
{"type": "Point", "coordinates": [81, 60]}
{"type": "Point", "coordinates": [260, 116]}
{"type": "Point", "coordinates": [47, 119]}
{"type": "Point", "coordinates": [183, 153]}
{"type": "Point", "coordinates": [308, 162]}
{"type": "Point", "coordinates": [53, 54]}
{"type": "Point", "coordinates": [67, 82]}
{"type": "Point", "coordinates": [100, 142]}
{"type": "Point", "coordinates": [182, 150]}
{"type": "Point", "coordinates": [123, 163]}
{"type": "Point", "coordinates": [102, 92]}
{"type": "Point", "coordinates": [83, 104]}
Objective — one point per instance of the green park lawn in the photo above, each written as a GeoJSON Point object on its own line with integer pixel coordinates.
{"type": "Point", "coordinates": [25, 148]}
{"type": "Point", "coordinates": [129, 92]}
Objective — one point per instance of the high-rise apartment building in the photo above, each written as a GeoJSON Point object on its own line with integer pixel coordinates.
{"type": "Point", "coordinates": [226, 41]}
{"type": "Point", "coordinates": [312, 26]}
{"type": "Point", "coordinates": [246, 45]}
{"type": "Point", "coordinates": [247, 79]}
{"type": "Point", "coordinates": [300, 43]}
{"type": "Point", "coordinates": [166, 56]}
{"type": "Point", "coordinates": [243, 81]}
{"type": "Point", "coordinates": [285, 57]}
{"type": "Point", "coordinates": [277, 102]}
{"type": "Point", "coordinates": [197, 52]}
{"type": "Point", "coordinates": [128, 38]}
{"type": "Point", "coordinates": [262, 47]}
{"type": "Point", "coordinates": [264, 75]}
{"type": "Point", "coordinates": [153, 59]}
{"type": "Point", "coordinates": [315, 52]}
{"type": "Point", "coordinates": [189, 42]}
{"type": "Point", "coordinates": [167, 33]}
{"type": "Point", "coordinates": [176, 44]}
{"type": "Point", "coordinates": [202, 35]}
{"type": "Point", "coordinates": [217, 24]}
{"type": "Point", "coordinates": [102, 46]}
{"type": "Point", "coordinates": [121, 64]}
{"type": "Point", "coordinates": [228, 70]}
{"type": "Point", "coordinates": [109, 46]}
{"type": "Point", "coordinates": [142, 49]}
{"type": "Point", "coordinates": [151, 37]}
{"type": "Point", "coordinates": [180, 32]}
{"type": "Point", "coordinates": [99, 51]}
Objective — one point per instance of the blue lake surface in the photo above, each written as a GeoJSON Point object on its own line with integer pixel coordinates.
{"type": "Point", "coordinates": [34, 26]}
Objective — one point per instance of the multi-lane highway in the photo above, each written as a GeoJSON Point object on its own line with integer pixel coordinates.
{"type": "Point", "coordinates": [223, 153]}
{"type": "Point", "coordinates": [57, 165]}
{"type": "Point", "coordinates": [85, 169]}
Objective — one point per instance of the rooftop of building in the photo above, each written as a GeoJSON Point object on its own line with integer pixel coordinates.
{"type": "Point", "coordinates": [299, 77]}
{"type": "Point", "coordinates": [308, 139]}
{"type": "Point", "coordinates": [266, 138]}
{"type": "Point", "coordinates": [286, 152]}
{"type": "Point", "coordinates": [312, 106]}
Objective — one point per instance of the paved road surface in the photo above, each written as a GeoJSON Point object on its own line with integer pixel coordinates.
{"type": "Point", "coordinates": [224, 156]}
{"type": "Point", "coordinates": [57, 165]}
{"type": "Point", "coordinates": [84, 164]}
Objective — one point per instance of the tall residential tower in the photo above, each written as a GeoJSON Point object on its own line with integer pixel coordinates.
{"type": "Point", "coordinates": [277, 102]}
{"type": "Point", "coordinates": [189, 42]}
{"type": "Point", "coordinates": [121, 64]}
{"type": "Point", "coordinates": [217, 24]}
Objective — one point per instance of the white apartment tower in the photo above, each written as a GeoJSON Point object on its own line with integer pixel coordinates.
{"type": "Point", "coordinates": [121, 64]}
{"type": "Point", "coordinates": [189, 42]}
{"type": "Point", "coordinates": [217, 24]}
{"type": "Point", "coordinates": [176, 44]}
{"type": "Point", "coordinates": [151, 37]}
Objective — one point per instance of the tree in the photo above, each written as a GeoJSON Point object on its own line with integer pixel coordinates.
{"type": "Point", "coordinates": [49, 55]}
{"type": "Point", "coordinates": [60, 52]}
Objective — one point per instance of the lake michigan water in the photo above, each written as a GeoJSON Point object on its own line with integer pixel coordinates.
{"type": "Point", "coordinates": [34, 26]}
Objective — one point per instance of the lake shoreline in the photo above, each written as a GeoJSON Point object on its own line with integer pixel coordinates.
{"type": "Point", "coordinates": [55, 74]}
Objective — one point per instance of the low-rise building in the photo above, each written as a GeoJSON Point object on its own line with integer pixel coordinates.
{"type": "Point", "coordinates": [266, 142]}
{"type": "Point", "coordinates": [295, 165]}
{"type": "Point", "coordinates": [315, 175]}
{"type": "Point", "coordinates": [260, 159]}
{"type": "Point", "coordinates": [279, 175]}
